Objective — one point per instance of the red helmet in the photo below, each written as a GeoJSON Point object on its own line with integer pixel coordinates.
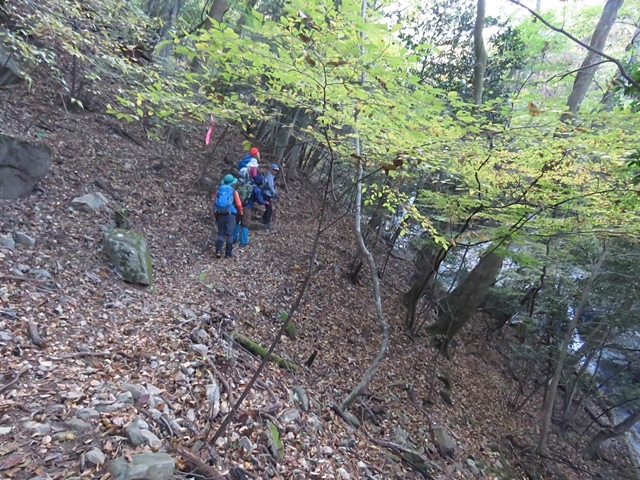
{"type": "Point", "coordinates": [253, 152]}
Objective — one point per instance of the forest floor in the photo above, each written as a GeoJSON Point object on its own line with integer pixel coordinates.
{"type": "Point", "coordinates": [105, 338]}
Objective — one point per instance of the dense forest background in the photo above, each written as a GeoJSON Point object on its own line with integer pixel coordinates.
{"type": "Point", "coordinates": [451, 287]}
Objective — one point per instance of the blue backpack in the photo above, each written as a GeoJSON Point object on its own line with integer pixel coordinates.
{"type": "Point", "coordinates": [244, 162]}
{"type": "Point", "coordinates": [224, 200]}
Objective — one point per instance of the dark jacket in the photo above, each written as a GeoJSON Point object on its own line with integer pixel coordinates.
{"type": "Point", "coordinates": [256, 196]}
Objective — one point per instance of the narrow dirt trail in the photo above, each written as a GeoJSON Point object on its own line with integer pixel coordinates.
{"type": "Point", "coordinates": [103, 334]}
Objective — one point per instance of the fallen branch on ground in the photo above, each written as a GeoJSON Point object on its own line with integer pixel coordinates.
{"type": "Point", "coordinates": [14, 381]}
{"type": "Point", "coordinates": [258, 349]}
{"type": "Point", "coordinates": [34, 335]}
{"type": "Point", "coordinates": [209, 472]}
{"type": "Point", "coordinates": [415, 459]}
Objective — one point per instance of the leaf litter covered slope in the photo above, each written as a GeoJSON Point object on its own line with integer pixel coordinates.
{"type": "Point", "coordinates": [102, 334]}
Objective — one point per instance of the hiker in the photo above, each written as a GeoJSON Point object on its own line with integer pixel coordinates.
{"type": "Point", "coordinates": [269, 193]}
{"type": "Point", "coordinates": [249, 195]}
{"type": "Point", "coordinates": [248, 165]}
{"type": "Point", "coordinates": [226, 206]}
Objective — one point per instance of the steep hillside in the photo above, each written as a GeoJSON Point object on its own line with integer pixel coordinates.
{"type": "Point", "coordinates": [119, 360]}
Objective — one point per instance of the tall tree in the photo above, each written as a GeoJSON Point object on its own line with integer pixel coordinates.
{"type": "Point", "coordinates": [564, 348]}
{"type": "Point", "coordinates": [589, 65]}
{"type": "Point", "coordinates": [167, 11]}
{"type": "Point", "coordinates": [480, 64]}
{"type": "Point", "coordinates": [457, 308]}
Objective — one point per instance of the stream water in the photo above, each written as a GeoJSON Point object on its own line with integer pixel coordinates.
{"type": "Point", "coordinates": [618, 414]}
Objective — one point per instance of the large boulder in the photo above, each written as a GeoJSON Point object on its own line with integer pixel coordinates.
{"type": "Point", "coordinates": [9, 72]}
{"type": "Point", "coordinates": [128, 253]}
{"type": "Point", "coordinates": [22, 166]}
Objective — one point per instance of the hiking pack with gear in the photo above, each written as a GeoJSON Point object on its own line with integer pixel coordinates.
{"type": "Point", "coordinates": [224, 197]}
{"type": "Point", "coordinates": [244, 161]}
{"type": "Point", "coordinates": [245, 192]}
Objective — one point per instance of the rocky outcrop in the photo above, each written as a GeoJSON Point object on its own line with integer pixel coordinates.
{"type": "Point", "coordinates": [9, 71]}
{"type": "Point", "coordinates": [129, 254]}
{"type": "Point", "coordinates": [22, 166]}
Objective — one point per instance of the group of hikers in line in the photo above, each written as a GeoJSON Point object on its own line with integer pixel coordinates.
{"type": "Point", "coordinates": [236, 198]}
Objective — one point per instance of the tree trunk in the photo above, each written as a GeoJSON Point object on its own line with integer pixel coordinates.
{"type": "Point", "coordinates": [457, 308]}
{"type": "Point", "coordinates": [368, 375]}
{"type": "Point", "coordinates": [562, 354]}
{"type": "Point", "coordinates": [603, 435]}
{"type": "Point", "coordinates": [480, 53]}
{"type": "Point", "coordinates": [588, 69]}
{"type": "Point", "coordinates": [217, 11]}
{"type": "Point", "coordinates": [427, 264]}
{"type": "Point", "coordinates": [167, 11]}
{"type": "Point", "coordinates": [377, 294]}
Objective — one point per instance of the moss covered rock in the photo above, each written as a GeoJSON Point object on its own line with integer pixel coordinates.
{"type": "Point", "coordinates": [129, 254]}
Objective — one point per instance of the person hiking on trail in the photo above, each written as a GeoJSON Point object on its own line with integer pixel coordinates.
{"type": "Point", "coordinates": [249, 195]}
{"type": "Point", "coordinates": [248, 165]}
{"type": "Point", "coordinates": [269, 193]}
{"type": "Point", "coordinates": [226, 206]}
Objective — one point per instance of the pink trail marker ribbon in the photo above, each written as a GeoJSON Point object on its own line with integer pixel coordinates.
{"type": "Point", "coordinates": [207, 139]}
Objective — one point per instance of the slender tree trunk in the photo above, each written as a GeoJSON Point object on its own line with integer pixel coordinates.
{"type": "Point", "coordinates": [480, 64]}
{"type": "Point", "coordinates": [603, 435]}
{"type": "Point", "coordinates": [562, 354]}
{"type": "Point", "coordinates": [167, 11]}
{"type": "Point", "coordinates": [368, 375]}
{"type": "Point", "coordinates": [216, 12]}
{"type": "Point", "coordinates": [457, 308]}
{"type": "Point", "coordinates": [588, 69]}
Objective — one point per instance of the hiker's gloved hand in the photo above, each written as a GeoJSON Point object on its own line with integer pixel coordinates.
{"type": "Point", "coordinates": [276, 196]}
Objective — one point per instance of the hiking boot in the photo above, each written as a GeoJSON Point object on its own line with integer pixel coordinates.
{"type": "Point", "coordinates": [218, 254]}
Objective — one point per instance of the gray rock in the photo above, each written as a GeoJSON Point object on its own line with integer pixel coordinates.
{"type": "Point", "coordinates": [128, 253]}
{"type": "Point", "coordinates": [87, 413]}
{"type": "Point", "coordinates": [22, 164]}
{"type": "Point", "coordinates": [39, 428]}
{"type": "Point", "coordinates": [142, 425]}
{"type": "Point", "coordinates": [94, 457]}
{"type": "Point", "coordinates": [315, 423]}
{"type": "Point", "coordinates": [289, 415]}
{"type": "Point", "coordinates": [245, 444]}
{"type": "Point", "coordinates": [24, 239]}
{"type": "Point", "coordinates": [41, 272]}
{"type": "Point", "coordinates": [90, 202]}
{"type": "Point", "coordinates": [445, 443]}
{"type": "Point", "coordinates": [472, 466]}
{"type": "Point", "coordinates": [402, 436]}
{"type": "Point", "coordinates": [145, 466]}
{"type": "Point", "coordinates": [134, 434]}
{"type": "Point", "coordinates": [125, 397]}
{"type": "Point", "coordinates": [10, 73]}
{"type": "Point", "coordinates": [200, 348]}
{"type": "Point", "coordinates": [300, 397]}
{"type": "Point", "coordinates": [7, 242]}
{"type": "Point", "coordinates": [343, 474]}
{"type": "Point", "coordinates": [78, 425]}
{"type": "Point", "coordinates": [136, 390]}
{"type": "Point", "coordinates": [150, 438]}
{"type": "Point", "coordinates": [6, 336]}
